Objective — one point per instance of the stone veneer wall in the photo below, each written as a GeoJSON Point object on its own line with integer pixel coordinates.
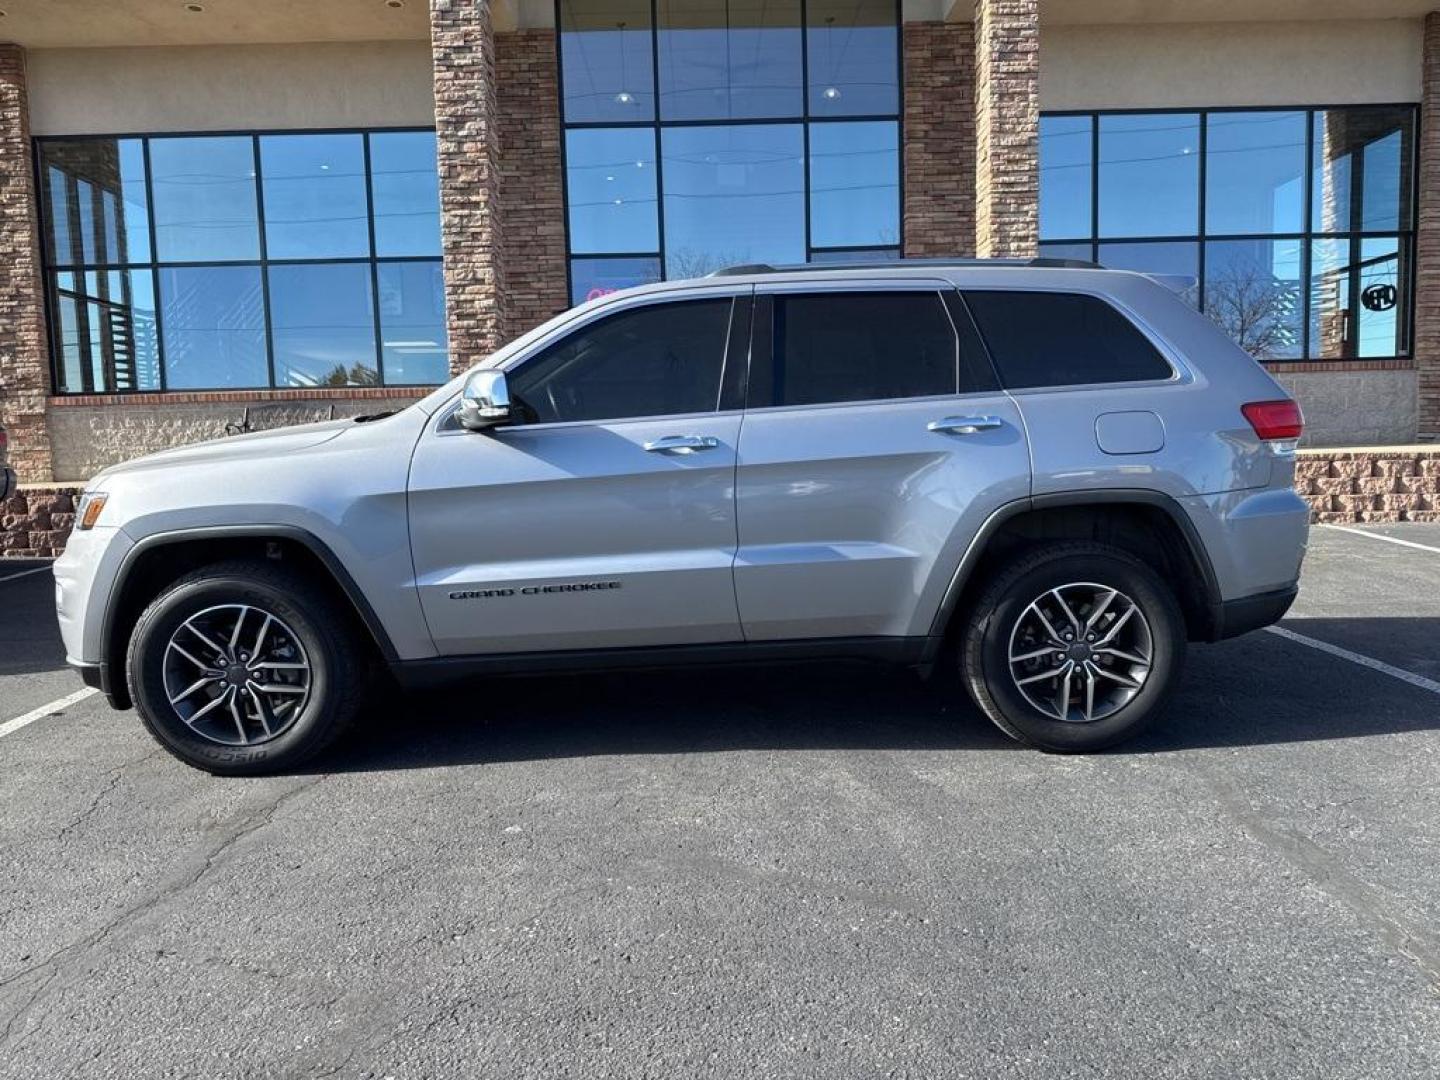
{"type": "Point", "coordinates": [24, 358]}
{"type": "Point", "coordinates": [1370, 485]}
{"type": "Point", "coordinates": [528, 92]}
{"type": "Point", "coordinates": [939, 73]}
{"type": "Point", "coordinates": [462, 47]}
{"type": "Point", "coordinates": [1427, 236]}
{"type": "Point", "coordinates": [35, 522]}
{"type": "Point", "coordinates": [1007, 127]}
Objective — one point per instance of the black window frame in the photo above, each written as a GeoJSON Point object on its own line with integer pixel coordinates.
{"type": "Point", "coordinates": [656, 125]}
{"type": "Point", "coordinates": [1307, 236]}
{"type": "Point", "coordinates": [153, 265]}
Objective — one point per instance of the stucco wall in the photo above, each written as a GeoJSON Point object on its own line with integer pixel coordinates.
{"type": "Point", "coordinates": [1355, 408]}
{"type": "Point", "coordinates": [1171, 65]}
{"type": "Point", "coordinates": [88, 438]}
{"type": "Point", "coordinates": [230, 87]}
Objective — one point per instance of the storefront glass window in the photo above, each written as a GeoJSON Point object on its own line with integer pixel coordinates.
{"type": "Point", "coordinates": [777, 131]}
{"type": "Point", "coordinates": [1295, 224]}
{"type": "Point", "coordinates": [243, 261]}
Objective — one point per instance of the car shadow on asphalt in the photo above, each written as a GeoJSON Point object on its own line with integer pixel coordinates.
{"type": "Point", "coordinates": [1251, 691]}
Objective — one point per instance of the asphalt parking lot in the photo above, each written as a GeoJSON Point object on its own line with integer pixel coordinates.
{"type": "Point", "coordinates": [779, 872]}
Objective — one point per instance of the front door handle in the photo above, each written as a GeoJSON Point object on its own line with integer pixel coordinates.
{"type": "Point", "coordinates": [964, 425]}
{"type": "Point", "coordinates": [682, 444]}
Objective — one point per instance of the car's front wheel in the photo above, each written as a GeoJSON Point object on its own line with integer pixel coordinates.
{"type": "Point", "coordinates": [1074, 647]}
{"type": "Point", "coordinates": [245, 667]}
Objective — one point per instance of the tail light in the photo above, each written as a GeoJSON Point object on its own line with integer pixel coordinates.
{"type": "Point", "coordinates": [1275, 419]}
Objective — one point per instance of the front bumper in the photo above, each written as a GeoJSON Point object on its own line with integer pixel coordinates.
{"type": "Point", "coordinates": [1230, 618]}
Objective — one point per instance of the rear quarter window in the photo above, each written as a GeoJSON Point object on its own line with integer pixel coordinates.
{"type": "Point", "coordinates": [1062, 339]}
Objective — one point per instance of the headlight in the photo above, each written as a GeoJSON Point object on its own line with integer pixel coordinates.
{"type": "Point", "coordinates": [88, 512]}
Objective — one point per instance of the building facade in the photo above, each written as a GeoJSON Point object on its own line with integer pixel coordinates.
{"type": "Point", "coordinates": [218, 217]}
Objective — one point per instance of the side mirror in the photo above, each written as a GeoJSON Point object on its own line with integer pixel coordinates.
{"type": "Point", "coordinates": [484, 402]}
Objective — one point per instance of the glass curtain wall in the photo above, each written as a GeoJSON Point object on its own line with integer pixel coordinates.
{"type": "Point", "coordinates": [241, 261]}
{"type": "Point", "coordinates": [1295, 225]}
{"type": "Point", "coordinates": [708, 133]}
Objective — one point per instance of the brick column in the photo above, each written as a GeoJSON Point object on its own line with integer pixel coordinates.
{"type": "Point", "coordinates": [462, 46]}
{"type": "Point", "coordinates": [939, 73]}
{"type": "Point", "coordinates": [1007, 127]}
{"type": "Point", "coordinates": [24, 355]}
{"type": "Point", "coordinates": [528, 93]}
{"type": "Point", "coordinates": [1427, 238]}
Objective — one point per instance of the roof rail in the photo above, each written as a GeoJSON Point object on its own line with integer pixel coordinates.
{"type": "Point", "coordinates": [1045, 261]}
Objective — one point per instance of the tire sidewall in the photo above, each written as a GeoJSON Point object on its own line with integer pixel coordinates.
{"type": "Point", "coordinates": [1168, 649]}
{"type": "Point", "coordinates": [145, 673]}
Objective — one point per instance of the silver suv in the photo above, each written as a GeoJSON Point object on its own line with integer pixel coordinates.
{"type": "Point", "coordinates": [1042, 478]}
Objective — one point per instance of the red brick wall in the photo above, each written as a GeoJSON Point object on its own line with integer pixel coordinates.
{"type": "Point", "coordinates": [24, 355]}
{"type": "Point", "coordinates": [462, 46]}
{"type": "Point", "coordinates": [528, 92]}
{"type": "Point", "coordinates": [939, 73]}
{"type": "Point", "coordinates": [1427, 237]}
{"type": "Point", "coordinates": [1007, 127]}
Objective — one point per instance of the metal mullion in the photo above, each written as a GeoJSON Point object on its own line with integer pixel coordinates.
{"type": "Point", "coordinates": [264, 262]}
{"type": "Point", "coordinates": [1200, 225]}
{"type": "Point", "coordinates": [805, 116]}
{"type": "Point", "coordinates": [374, 266]}
{"type": "Point", "coordinates": [564, 155]}
{"type": "Point", "coordinates": [153, 269]}
{"type": "Point", "coordinates": [657, 129]}
{"type": "Point", "coordinates": [1095, 186]}
{"type": "Point", "coordinates": [1307, 242]}
{"type": "Point", "coordinates": [900, 123]}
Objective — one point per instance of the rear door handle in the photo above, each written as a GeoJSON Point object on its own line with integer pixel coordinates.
{"type": "Point", "coordinates": [964, 425]}
{"type": "Point", "coordinates": [682, 444]}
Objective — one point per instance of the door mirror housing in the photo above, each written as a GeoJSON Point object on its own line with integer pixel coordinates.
{"type": "Point", "coordinates": [485, 401]}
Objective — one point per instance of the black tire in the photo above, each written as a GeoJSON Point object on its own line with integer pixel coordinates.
{"type": "Point", "coordinates": [985, 645]}
{"type": "Point", "coordinates": [326, 632]}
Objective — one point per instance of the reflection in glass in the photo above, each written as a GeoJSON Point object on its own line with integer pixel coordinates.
{"type": "Point", "coordinates": [611, 177]}
{"type": "Point", "coordinates": [1362, 169]}
{"type": "Point", "coordinates": [1175, 258]}
{"type": "Point", "coordinates": [322, 325]}
{"type": "Point", "coordinates": [1356, 298]}
{"type": "Point", "coordinates": [412, 323]}
{"type": "Point", "coordinates": [315, 203]}
{"type": "Point", "coordinates": [204, 192]}
{"type": "Point", "coordinates": [733, 195]}
{"type": "Point", "coordinates": [869, 255]}
{"type": "Point", "coordinates": [1066, 146]}
{"type": "Point", "coordinates": [1149, 174]}
{"type": "Point", "coordinates": [1255, 172]}
{"type": "Point", "coordinates": [852, 50]}
{"type": "Point", "coordinates": [214, 327]}
{"type": "Point", "coordinates": [605, 53]}
{"type": "Point", "coordinates": [1253, 290]}
{"type": "Point", "coordinates": [95, 201]}
{"type": "Point", "coordinates": [1083, 251]}
{"type": "Point", "coordinates": [405, 186]}
{"type": "Point", "coordinates": [729, 59]}
{"type": "Point", "coordinates": [593, 278]}
{"type": "Point", "coordinates": [855, 184]}
{"type": "Point", "coordinates": [106, 331]}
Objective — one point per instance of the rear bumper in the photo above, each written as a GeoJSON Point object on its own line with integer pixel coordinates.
{"type": "Point", "coordinates": [1230, 618]}
{"type": "Point", "coordinates": [98, 676]}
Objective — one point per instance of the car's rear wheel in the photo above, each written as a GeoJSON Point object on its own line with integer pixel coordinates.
{"type": "Point", "coordinates": [1074, 647]}
{"type": "Point", "coordinates": [245, 667]}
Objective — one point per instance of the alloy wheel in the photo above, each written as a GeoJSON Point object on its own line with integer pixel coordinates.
{"type": "Point", "coordinates": [236, 674]}
{"type": "Point", "coordinates": [1080, 652]}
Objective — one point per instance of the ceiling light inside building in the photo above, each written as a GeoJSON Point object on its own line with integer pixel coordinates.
{"type": "Point", "coordinates": [624, 97]}
{"type": "Point", "coordinates": [832, 93]}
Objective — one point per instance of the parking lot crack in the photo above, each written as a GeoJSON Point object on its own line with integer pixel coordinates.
{"type": "Point", "coordinates": [52, 970]}
{"type": "Point", "coordinates": [112, 780]}
{"type": "Point", "coordinates": [1375, 908]}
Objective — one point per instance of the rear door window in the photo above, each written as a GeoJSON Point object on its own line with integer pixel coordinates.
{"type": "Point", "coordinates": [1062, 339]}
{"type": "Point", "coordinates": [833, 347]}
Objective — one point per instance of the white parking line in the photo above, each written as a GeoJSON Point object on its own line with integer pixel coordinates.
{"type": "Point", "coordinates": [1356, 658]}
{"type": "Point", "coordinates": [1382, 536]}
{"type": "Point", "coordinates": [23, 573]}
{"type": "Point", "coordinates": [11, 726]}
